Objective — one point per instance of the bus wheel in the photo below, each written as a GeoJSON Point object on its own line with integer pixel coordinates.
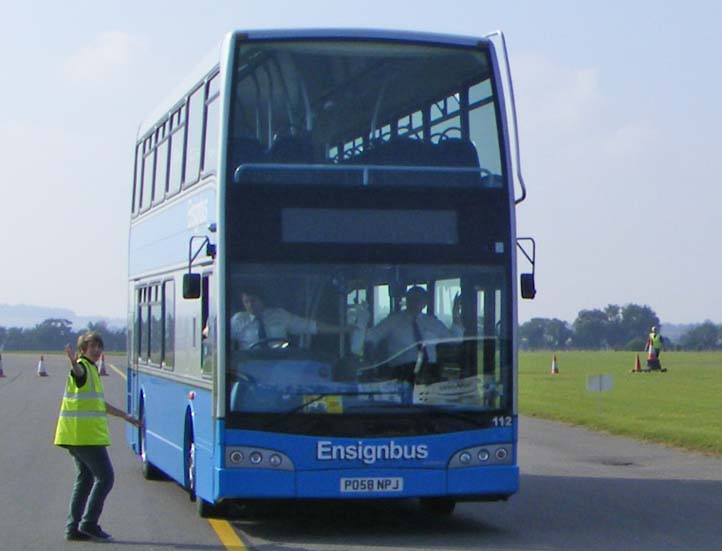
{"type": "Point", "coordinates": [204, 508]}
{"type": "Point", "coordinates": [442, 506]}
{"type": "Point", "coordinates": [190, 464]}
{"type": "Point", "coordinates": [150, 471]}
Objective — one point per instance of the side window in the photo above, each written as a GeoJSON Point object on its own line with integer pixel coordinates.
{"type": "Point", "coordinates": [208, 329]}
{"type": "Point", "coordinates": [137, 178]}
{"type": "Point", "coordinates": [161, 160]}
{"type": "Point", "coordinates": [177, 141]}
{"type": "Point", "coordinates": [148, 172]}
{"type": "Point", "coordinates": [382, 303]}
{"type": "Point", "coordinates": [445, 291]}
{"type": "Point", "coordinates": [169, 324]}
{"type": "Point", "coordinates": [137, 343]}
{"type": "Point", "coordinates": [482, 126]}
{"type": "Point", "coordinates": [195, 136]}
{"type": "Point", "coordinates": [156, 326]}
{"type": "Point", "coordinates": [210, 133]}
{"type": "Point", "coordinates": [143, 327]}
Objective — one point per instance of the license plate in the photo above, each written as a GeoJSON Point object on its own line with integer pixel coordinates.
{"type": "Point", "coordinates": [375, 484]}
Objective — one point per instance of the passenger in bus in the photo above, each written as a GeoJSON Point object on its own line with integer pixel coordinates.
{"type": "Point", "coordinates": [262, 326]}
{"type": "Point", "coordinates": [405, 333]}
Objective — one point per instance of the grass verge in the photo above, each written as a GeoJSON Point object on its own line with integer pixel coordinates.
{"type": "Point", "coordinates": [682, 407]}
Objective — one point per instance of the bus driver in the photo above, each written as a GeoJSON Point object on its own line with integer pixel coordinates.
{"type": "Point", "coordinates": [405, 332]}
{"type": "Point", "coordinates": [259, 325]}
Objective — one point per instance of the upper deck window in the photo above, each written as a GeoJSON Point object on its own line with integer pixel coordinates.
{"type": "Point", "coordinates": [354, 107]}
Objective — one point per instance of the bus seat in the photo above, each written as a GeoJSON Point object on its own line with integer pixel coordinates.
{"type": "Point", "coordinates": [401, 151]}
{"type": "Point", "coordinates": [460, 153]}
{"type": "Point", "coordinates": [406, 152]}
{"type": "Point", "coordinates": [457, 152]}
{"type": "Point", "coordinates": [291, 149]}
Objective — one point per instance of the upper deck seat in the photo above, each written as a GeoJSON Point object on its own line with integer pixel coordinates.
{"type": "Point", "coordinates": [400, 152]}
{"type": "Point", "coordinates": [291, 150]}
{"type": "Point", "coordinates": [458, 153]}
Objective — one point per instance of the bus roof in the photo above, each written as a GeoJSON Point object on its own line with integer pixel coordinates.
{"type": "Point", "coordinates": [212, 58]}
{"type": "Point", "coordinates": [380, 34]}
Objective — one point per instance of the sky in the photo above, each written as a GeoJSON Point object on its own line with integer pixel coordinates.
{"type": "Point", "coordinates": [620, 116]}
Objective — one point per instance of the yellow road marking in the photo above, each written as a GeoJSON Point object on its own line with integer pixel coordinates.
{"type": "Point", "coordinates": [223, 529]}
{"type": "Point", "coordinates": [118, 371]}
{"type": "Point", "coordinates": [227, 535]}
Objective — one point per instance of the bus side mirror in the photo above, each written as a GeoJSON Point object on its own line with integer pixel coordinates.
{"type": "Point", "coordinates": [528, 289]}
{"type": "Point", "coordinates": [191, 285]}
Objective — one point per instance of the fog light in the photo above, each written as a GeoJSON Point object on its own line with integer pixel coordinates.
{"type": "Point", "coordinates": [275, 460]}
{"type": "Point", "coordinates": [256, 458]}
{"type": "Point", "coordinates": [501, 454]}
{"type": "Point", "coordinates": [465, 458]}
{"type": "Point", "coordinates": [483, 456]}
{"type": "Point", "coordinates": [236, 456]}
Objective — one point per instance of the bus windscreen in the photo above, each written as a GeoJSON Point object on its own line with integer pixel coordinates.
{"type": "Point", "coordinates": [363, 113]}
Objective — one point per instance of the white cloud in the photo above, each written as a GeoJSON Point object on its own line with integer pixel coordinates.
{"type": "Point", "coordinates": [556, 99]}
{"type": "Point", "coordinates": [112, 55]}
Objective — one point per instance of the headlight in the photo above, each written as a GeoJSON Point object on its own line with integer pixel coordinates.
{"type": "Point", "coordinates": [477, 456]}
{"type": "Point", "coordinates": [256, 458]}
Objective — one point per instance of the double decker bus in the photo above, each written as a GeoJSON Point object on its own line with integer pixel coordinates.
{"type": "Point", "coordinates": [324, 173]}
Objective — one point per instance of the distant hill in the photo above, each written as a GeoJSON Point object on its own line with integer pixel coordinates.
{"type": "Point", "coordinates": [28, 316]}
{"type": "Point", "coordinates": [674, 332]}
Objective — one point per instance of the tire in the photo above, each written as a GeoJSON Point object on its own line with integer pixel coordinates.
{"type": "Point", "coordinates": [440, 506]}
{"type": "Point", "coordinates": [204, 508]}
{"type": "Point", "coordinates": [150, 471]}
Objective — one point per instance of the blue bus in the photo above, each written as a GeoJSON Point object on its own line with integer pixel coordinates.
{"type": "Point", "coordinates": [325, 174]}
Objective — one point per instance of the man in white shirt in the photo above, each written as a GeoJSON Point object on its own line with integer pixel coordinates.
{"type": "Point", "coordinates": [405, 332]}
{"type": "Point", "coordinates": [261, 326]}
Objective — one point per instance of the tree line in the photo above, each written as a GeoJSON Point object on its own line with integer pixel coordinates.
{"type": "Point", "coordinates": [55, 333]}
{"type": "Point", "coordinates": [616, 327]}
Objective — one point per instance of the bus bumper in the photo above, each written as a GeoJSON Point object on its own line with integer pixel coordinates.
{"type": "Point", "coordinates": [467, 483]}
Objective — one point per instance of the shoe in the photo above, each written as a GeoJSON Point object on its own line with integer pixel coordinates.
{"type": "Point", "coordinates": [95, 533]}
{"type": "Point", "coordinates": [76, 535]}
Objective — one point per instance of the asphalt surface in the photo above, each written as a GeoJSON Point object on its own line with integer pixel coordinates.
{"type": "Point", "coordinates": [579, 491]}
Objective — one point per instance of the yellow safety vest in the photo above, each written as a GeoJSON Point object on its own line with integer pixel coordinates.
{"type": "Point", "coordinates": [656, 340]}
{"type": "Point", "coordinates": [83, 421]}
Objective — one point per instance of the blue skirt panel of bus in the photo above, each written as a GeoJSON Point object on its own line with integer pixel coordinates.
{"type": "Point", "coordinates": [368, 467]}
{"type": "Point", "coordinates": [349, 483]}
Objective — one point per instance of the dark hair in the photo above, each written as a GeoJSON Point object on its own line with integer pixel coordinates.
{"type": "Point", "coordinates": [417, 292]}
{"type": "Point", "coordinates": [253, 290]}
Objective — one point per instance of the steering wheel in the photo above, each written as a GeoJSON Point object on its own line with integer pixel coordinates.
{"type": "Point", "coordinates": [276, 342]}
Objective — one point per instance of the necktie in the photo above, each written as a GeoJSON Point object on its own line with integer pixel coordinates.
{"type": "Point", "coordinates": [262, 336]}
{"type": "Point", "coordinates": [419, 341]}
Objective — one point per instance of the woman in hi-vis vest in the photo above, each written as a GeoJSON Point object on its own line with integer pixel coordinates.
{"type": "Point", "coordinates": [83, 430]}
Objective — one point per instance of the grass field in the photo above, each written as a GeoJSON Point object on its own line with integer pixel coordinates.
{"type": "Point", "coordinates": [682, 407]}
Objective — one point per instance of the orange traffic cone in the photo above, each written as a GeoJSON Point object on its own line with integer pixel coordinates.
{"type": "Point", "coordinates": [651, 355]}
{"type": "Point", "coordinates": [555, 367]}
{"type": "Point", "coordinates": [637, 365]}
{"type": "Point", "coordinates": [101, 366]}
{"type": "Point", "coordinates": [41, 368]}
{"type": "Point", "coordinates": [1, 366]}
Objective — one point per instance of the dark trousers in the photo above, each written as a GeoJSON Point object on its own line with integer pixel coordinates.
{"type": "Point", "coordinates": [93, 481]}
